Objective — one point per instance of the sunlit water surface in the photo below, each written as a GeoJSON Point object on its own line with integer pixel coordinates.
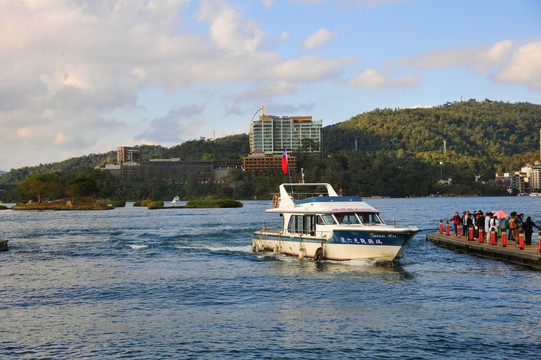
{"type": "Point", "coordinates": [178, 283]}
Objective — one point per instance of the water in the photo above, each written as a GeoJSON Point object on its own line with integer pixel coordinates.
{"type": "Point", "coordinates": [139, 284]}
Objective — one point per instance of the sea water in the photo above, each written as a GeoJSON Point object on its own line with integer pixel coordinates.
{"type": "Point", "coordinates": [184, 283]}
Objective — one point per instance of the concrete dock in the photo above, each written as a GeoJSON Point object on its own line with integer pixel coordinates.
{"type": "Point", "coordinates": [512, 254]}
{"type": "Point", "coordinates": [3, 245]}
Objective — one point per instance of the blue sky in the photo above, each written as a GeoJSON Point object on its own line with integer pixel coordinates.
{"type": "Point", "coordinates": [80, 77]}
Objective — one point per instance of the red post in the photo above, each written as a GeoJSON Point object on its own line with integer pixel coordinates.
{"type": "Point", "coordinates": [539, 242]}
{"type": "Point", "coordinates": [459, 231]}
{"type": "Point", "coordinates": [504, 239]}
{"type": "Point", "coordinates": [521, 240]}
{"type": "Point", "coordinates": [470, 233]}
{"type": "Point", "coordinates": [447, 228]}
{"type": "Point", "coordinates": [481, 235]}
{"type": "Point", "coordinates": [493, 237]}
{"type": "Point", "coordinates": [441, 226]}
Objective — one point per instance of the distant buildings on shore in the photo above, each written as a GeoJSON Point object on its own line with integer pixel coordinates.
{"type": "Point", "coordinates": [173, 171]}
{"type": "Point", "coordinates": [268, 137]}
{"type": "Point", "coordinates": [527, 180]}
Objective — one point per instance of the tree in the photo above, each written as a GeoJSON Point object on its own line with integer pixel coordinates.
{"type": "Point", "coordinates": [82, 186]}
{"type": "Point", "coordinates": [40, 185]}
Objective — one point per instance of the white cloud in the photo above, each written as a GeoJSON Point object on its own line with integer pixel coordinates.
{"type": "Point", "coordinates": [62, 139]}
{"type": "Point", "coordinates": [479, 58]}
{"type": "Point", "coordinates": [267, 3]}
{"type": "Point", "coordinates": [524, 66]}
{"type": "Point", "coordinates": [373, 79]}
{"type": "Point", "coordinates": [178, 125]}
{"type": "Point", "coordinates": [317, 39]}
{"type": "Point", "coordinates": [310, 68]}
{"type": "Point", "coordinates": [228, 28]}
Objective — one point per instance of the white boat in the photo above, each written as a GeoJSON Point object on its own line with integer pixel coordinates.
{"type": "Point", "coordinates": [535, 194]}
{"type": "Point", "coordinates": [175, 200]}
{"type": "Point", "coordinates": [328, 226]}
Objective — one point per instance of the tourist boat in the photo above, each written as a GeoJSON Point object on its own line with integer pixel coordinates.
{"type": "Point", "coordinates": [328, 226]}
{"type": "Point", "coordinates": [175, 200]}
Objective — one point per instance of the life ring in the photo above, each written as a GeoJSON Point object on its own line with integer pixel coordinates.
{"type": "Point", "coordinates": [275, 200]}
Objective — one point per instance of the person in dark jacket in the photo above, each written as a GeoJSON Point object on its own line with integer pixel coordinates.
{"type": "Point", "coordinates": [528, 226]}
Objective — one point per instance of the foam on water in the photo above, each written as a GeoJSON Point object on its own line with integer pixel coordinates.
{"type": "Point", "coordinates": [138, 247]}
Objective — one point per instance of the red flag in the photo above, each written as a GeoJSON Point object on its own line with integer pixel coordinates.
{"type": "Point", "coordinates": [284, 161]}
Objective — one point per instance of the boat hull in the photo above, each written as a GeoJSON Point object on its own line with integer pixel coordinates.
{"type": "Point", "coordinates": [342, 245]}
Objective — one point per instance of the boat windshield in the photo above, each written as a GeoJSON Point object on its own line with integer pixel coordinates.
{"type": "Point", "coordinates": [370, 218]}
{"type": "Point", "coordinates": [328, 219]}
{"type": "Point", "coordinates": [347, 218]}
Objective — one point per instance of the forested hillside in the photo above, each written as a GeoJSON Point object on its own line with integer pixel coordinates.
{"type": "Point", "coordinates": [486, 132]}
{"type": "Point", "coordinates": [398, 153]}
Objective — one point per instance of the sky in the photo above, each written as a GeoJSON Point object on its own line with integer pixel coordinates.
{"type": "Point", "coordinates": [86, 76]}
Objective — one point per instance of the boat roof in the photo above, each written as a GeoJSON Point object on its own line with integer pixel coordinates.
{"type": "Point", "coordinates": [322, 203]}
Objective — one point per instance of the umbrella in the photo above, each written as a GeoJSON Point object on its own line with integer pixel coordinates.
{"type": "Point", "coordinates": [500, 214]}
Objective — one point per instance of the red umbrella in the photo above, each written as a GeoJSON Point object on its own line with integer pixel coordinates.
{"type": "Point", "coordinates": [500, 214]}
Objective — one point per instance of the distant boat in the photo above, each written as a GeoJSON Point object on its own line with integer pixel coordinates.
{"type": "Point", "coordinates": [175, 200]}
{"type": "Point", "coordinates": [328, 226]}
{"type": "Point", "coordinates": [535, 194]}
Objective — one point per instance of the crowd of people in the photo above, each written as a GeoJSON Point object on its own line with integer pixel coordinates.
{"type": "Point", "coordinates": [498, 221]}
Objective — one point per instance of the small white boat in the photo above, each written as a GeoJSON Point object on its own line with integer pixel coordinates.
{"type": "Point", "coordinates": [535, 194]}
{"type": "Point", "coordinates": [175, 200]}
{"type": "Point", "coordinates": [328, 226]}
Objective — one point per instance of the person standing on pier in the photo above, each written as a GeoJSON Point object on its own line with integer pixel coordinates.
{"type": "Point", "coordinates": [480, 223]}
{"type": "Point", "coordinates": [528, 230]}
{"type": "Point", "coordinates": [513, 227]}
{"type": "Point", "coordinates": [465, 216]}
{"type": "Point", "coordinates": [456, 222]}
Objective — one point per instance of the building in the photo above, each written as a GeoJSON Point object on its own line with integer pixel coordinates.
{"type": "Point", "coordinates": [172, 171]}
{"type": "Point", "coordinates": [271, 134]}
{"type": "Point", "coordinates": [128, 154]}
{"type": "Point", "coordinates": [262, 163]}
{"type": "Point", "coordinates": [169, 170]}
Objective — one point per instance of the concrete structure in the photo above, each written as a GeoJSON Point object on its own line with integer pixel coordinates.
{"type": "Point", "coordinates": [262, 163]}
{"type": "Point", "coordinates": [270, 134]}
{"type": "Point", "coordinates": [528, 257]}
{"type": "Point", "coordinates": [172, 171]}
{"type": "Point", "coordinates": [128, 154]}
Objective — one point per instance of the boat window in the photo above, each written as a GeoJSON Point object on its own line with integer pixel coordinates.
{"type": "Point", "coordinates": [291, 224]}
{"type": "Point", "coordinates": [309, 224]}
{"type": "Point", "coordinates": [302, 224]}
{"type": "Point", "coordinates": [329, 220]}
{"type": "Point", "coordinates": [370, 218]}
{"type": "Point", "coordinates": [347, 218]}
{"type": "Point", "coordinates": [320, 220]}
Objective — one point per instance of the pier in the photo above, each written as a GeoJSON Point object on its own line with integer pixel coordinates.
{"type": "Point", "coordinates": [512, 254]}
{"type": "Point", "coordinates": [3, 245]}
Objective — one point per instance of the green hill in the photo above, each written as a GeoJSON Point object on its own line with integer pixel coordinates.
{"type": "Point", "coordinates": [226, 148]}
{"type": "Point", "coordinates": [398, 153]}
{"type": "Point", "coordinates": [499, 133]}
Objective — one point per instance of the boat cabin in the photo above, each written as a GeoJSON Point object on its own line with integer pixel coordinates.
{"type": "Point", "coordinates": [322, 224]}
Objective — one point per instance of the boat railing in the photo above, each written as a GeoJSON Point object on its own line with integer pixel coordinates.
{"type": "Point", "coordinates": [302, 196]}
{"type": "Point", "coordinates": [272, 224]}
